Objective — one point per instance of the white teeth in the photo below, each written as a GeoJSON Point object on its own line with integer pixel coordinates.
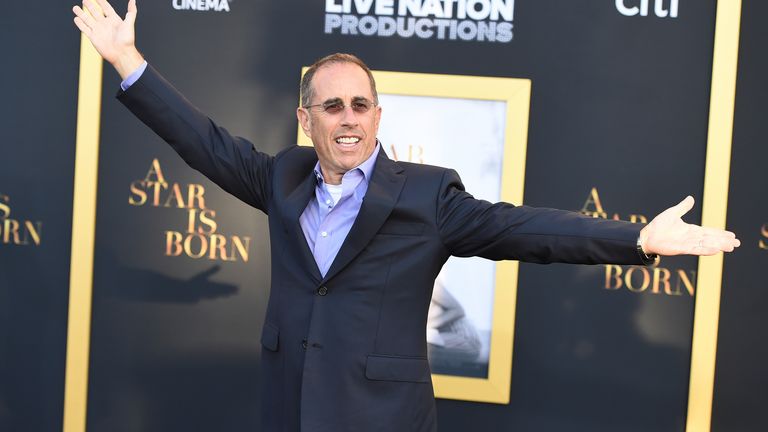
{"type": "Point", "coordinates": [347, 140]}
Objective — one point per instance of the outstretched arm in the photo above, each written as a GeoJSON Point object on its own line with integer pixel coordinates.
{"type": "Point", "coordinates": [667, 234]}
{"type": "Point", "coordinates": [229, 161]}
{"type": "Point", "coordinates": [113, 37]}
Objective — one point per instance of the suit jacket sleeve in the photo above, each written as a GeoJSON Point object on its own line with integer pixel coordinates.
{"type": "Point", "coordinates": [231, 162]}
{"type": "Point", "coordinates": [472, 227]}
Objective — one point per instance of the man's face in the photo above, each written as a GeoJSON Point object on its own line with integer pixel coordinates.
{"type": "Point", "coordinates": [345, 139]}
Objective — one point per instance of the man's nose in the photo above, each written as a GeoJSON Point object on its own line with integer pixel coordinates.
{"type": "Point", "coordinates": [348, 116]}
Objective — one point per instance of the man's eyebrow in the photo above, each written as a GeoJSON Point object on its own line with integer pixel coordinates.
{"type": "Point", "coordinates": [333, 100]}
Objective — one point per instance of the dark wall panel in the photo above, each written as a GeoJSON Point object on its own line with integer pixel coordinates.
{"type": "Point", "coordinates": [741, 385]}
{"type": "Point", "coordinates": [37, 151]}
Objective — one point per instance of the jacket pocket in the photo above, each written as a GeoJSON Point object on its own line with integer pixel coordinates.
{"type": "Point", "coordinates": [402, 228]}
{"type": "Point", "coordinates": [270, 336]}
{"type": "Point", "coordinates": [394, 368]}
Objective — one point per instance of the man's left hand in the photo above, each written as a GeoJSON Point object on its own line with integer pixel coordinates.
{"type": "Point", "coordinates": [667, 234]}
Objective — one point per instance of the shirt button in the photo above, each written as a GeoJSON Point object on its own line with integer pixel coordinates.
{"type": "Point", "coordinates": [328, 202]}
{"type": "Point", "coordinates": [324, 234]}
{"type": "Point", "coordinates": [323, 290]}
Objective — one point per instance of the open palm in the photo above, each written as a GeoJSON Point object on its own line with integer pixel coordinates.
{"type": "Point", "coordinates": [667, 234]}
{"type": "Point", "coordinates": [112, 36]}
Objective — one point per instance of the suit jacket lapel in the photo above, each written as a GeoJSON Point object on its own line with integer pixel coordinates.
{"type": "Point", "coordinates": [383, 190]}
{"type": "Point", "coordinates": [293, 208]}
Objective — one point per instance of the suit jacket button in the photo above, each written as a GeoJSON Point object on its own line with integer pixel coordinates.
{"type": "Point", "coordinates": [323, 290]}
{"type": "Point", "coordinates": [304, 344]}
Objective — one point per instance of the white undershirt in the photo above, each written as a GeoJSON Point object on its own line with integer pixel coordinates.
{"type": "Point", "coordinates": [334, 191]}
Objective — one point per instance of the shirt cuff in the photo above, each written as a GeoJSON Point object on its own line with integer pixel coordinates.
{"type": "Point", "coordinates": [133, 77]}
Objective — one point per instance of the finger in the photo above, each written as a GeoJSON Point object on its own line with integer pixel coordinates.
{"type": "Point", "coordinates": [684, 206]}
{"type": "Point", "coordinates": [93, 9]}
{"type": "Point", "coordinates": [712, 245]}
{"type": "Point", "coordinates": [725, 240]}
{"type": "Point", "coordinates": [84, 16]}
{"type": "Point", "coordinates": [82, 26]}
{"type": "Point", "coordinates": [706, 247]}
{"type": "Point", "coordinates": [714, 232]}
{"type": "Point", "coordinates": [130, 16]}
{"type": "Point", "coordinates": [106, 8]}
{"type": "Point", "coordinates": [729, 245]}
{"type": "Point", "coordinates": [719, 245]}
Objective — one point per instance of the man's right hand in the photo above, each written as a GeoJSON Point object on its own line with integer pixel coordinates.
{"type": "Point", "coordinates": [113, 37]}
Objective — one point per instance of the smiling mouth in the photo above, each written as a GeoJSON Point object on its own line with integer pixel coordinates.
{"type": "Point", "coordinates": [347, 141]}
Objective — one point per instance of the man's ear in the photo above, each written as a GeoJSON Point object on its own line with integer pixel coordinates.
{"type": "Point", "coordinates": [304, 120]}
{"type": "Point", "coordinates": [377, 118]}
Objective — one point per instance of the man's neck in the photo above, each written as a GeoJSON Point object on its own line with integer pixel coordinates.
{"type": "Point", "coordinates": [334, 177]}
{"type": "Point", "coordinates": [331, 177]}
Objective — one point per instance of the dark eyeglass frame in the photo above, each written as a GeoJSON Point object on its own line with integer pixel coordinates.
{"type": "Point", "coordinates": [359, 105]}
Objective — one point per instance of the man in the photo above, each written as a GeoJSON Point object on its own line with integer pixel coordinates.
{"type": "Point", "coordinates": [358, 239]}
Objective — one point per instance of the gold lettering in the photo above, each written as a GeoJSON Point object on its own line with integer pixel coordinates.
{"type": "Point", "coordinates": [172, 243]}
{"type": "Point", "coordinates": [394, 152]}
{"type": "Point", "coordinates": [17, 232]}
{"type": "Point", "coordinates": [5, 209]}
{"type": "Point", "coordinates": [11, 227]}
{"type": "Point", "coordinates": [205, 220]}
{"type": "Point", "coordinates": [195, 193]}
{"type": "Point", "coordinates": [215, 247]}
{"type": "Point", "coordinates": [188, 246]}
{"type": "Point", "coordinates": [761, 243]}
{"type": "Point", "coordinates": [191, 219]}
{"type": "Point", "coordinates": [242, 249]}
{"type": "Point", "coordinates": [138, 192]}
{"type": "Point", "coordinates": [609, 269]}
{"type": "Point", "coordinates": [218, 244]}
{"type": "Point", "coordinates": [175, 195]}
{"type": "Point", "coordinates": [420, 154]}
{"type": "Point", "coordinates": [659, 279]}
{"type": "Point", "coordinates": [33, 230]}
{"type": "Point", "coordinates": [155, 169]}
{"type": "Point", "coordinates": [417, 156]}
{"type": "Point", "coordinates": [594, 207]}
{"type": "Point", "coordinates": [682, 276]}
{"type": "Point", "coordinates": [154, 183]}
{"type": "Point", "coordinates": [593, 200]}
{"type": "Point", "coordinates": [628, 279]}
{"type": "Point", "coordinates": [661, 276]}
{"type": "Point", "coordinates": [158, 186]}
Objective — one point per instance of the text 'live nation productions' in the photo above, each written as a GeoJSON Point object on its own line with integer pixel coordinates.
{"type": "Point", "coordinates": [468, 20]}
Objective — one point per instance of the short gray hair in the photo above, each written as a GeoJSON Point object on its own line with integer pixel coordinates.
{"type": "Point", "coordinates": [307, 92]}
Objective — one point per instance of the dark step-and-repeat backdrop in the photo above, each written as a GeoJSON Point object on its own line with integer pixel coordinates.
{"type": "Point", "coordinates": [39, 79]}
{"type": "Point", "coordinates": [601, 107]}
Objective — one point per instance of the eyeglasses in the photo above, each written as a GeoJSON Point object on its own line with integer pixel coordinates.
{"type": "Point", "coordinates": [336, 106]}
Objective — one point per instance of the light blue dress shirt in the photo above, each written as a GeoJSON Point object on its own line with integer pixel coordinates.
{"type": "Point", "coordinates": [325, 223]}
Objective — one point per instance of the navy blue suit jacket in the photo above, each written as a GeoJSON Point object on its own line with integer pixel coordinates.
{"type": "Point", "coordinates": [347, 352]}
